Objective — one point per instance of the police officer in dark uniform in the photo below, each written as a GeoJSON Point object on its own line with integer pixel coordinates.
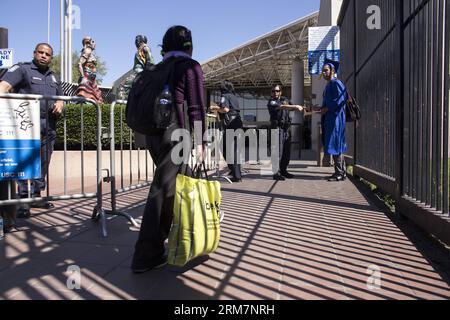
{"type": "Point", "coordinates": [279, 109]}
{"type": "Point", "coordinates": [230, 118]}
{"type": "Point", "coordinates": [35, 77]}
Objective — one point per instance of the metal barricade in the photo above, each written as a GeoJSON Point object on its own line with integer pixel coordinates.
{"type": "Point", "coordinates": [98, 211]}
{"type": "Point", "coordinates": [214, 140]}
{"type": "Point", "coordinates": [112, 177]}
{"type": "Point", "coordinates": [211, 161]}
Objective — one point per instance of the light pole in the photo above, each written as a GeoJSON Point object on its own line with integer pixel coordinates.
{"type": "Point", "coordinates": [62, 43]}
{"type": "Point", "coordinates": [69, 41]}
{"type": "Point", "coordinates": [66, 41]}
{"type": "Point", "coordinates": [48, 22]}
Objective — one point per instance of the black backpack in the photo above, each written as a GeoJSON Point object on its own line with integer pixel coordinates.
{"type": "Point", "coordinates": [143, 113]}
{"type": "Point", "coordinates": [352, 110]}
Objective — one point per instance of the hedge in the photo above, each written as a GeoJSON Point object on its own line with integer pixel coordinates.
{"type": "Point", "coordinates": [73, 116]}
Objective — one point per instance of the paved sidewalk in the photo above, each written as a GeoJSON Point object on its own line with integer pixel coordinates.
{"type": "Point", "coordinates": [304, 238]}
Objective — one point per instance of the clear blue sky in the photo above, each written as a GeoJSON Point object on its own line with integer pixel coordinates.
{"type": "Point", "coordinates": [217, 26]}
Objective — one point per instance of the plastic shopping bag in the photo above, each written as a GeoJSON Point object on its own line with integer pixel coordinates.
{"type": "Point", "coordinates": [196, 222]}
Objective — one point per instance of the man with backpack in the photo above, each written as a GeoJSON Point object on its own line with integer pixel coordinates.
{"type": "Point", "coordinates": [333, 109]}
{"type": "Point", "coordinates": [177, 86]}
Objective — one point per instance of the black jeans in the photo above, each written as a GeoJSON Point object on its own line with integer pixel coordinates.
{"type": "Point", "coordinates": [233, 164]}
{"type": "Point", "coordinates": [158, 212]}
{"type": "Point", "coordinates": [284, 140]}
{"type": "Point", "coordinates": [8, 212]}
{"type": "Point", "coordinates": [339, 165]}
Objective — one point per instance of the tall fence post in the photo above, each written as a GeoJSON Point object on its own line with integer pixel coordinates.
{"type": "Point", "coordinates": [355, 84]}
{"type": "Point", "coordinates": [399, 121]}
{"type": "Point", "coordinates": [446, 107]}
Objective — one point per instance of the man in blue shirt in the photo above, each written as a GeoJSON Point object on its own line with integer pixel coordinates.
{"type": "Point", "coordinates": [35, 77]}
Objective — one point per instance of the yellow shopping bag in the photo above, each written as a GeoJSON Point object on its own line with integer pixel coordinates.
{"type": "Point", "coordinates": [196, 222]}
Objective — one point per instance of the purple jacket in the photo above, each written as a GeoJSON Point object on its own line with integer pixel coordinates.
{"type": "Point", "coordinates": [189, 87]}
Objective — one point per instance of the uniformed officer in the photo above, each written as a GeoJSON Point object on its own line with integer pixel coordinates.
{"type": "Point", "coordinates": [279, 109]}
{"type": "Point", "coordinates": [230, 118]}
{"type": "Point", "coordinates": [35, 77]}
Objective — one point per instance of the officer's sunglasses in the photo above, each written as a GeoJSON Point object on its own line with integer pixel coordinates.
{"type": "Point", "coordinates": [276, 90]}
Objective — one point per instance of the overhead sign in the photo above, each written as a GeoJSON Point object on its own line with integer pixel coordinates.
{"type": "Point", "coordinates": [6, 58]}
{"type": "Point", "coordinates": [20, 140]}
{"type": "Point", "coordinates": [324, 42]}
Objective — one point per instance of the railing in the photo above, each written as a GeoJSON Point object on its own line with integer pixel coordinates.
{"type": "Point", "coordinates": [98, 211]}
{"type": "Point", "coordinates": [400, 77]}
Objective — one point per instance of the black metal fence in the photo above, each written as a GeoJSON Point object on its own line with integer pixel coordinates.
{"type": "Point", "coordinates": [400, 77]}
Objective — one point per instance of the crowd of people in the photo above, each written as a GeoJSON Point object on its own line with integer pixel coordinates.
{"type": "Point", "coordinates": [35, 77]}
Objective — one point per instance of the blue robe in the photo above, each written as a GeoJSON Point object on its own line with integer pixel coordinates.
{"type": "Point", "coordinates": [333, 122]}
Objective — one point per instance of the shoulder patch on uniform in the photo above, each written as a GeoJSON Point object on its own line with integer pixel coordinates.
{"type": "Point", "coordinates": [222, 100]}
{"type": "Point", "coordinates": [54, 78]}
{"type": "Point", "coordinates": [14, 68]}
{"type": "Point", "coordinates": [273, 103]}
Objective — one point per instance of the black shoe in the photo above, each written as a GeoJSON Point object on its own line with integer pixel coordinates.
{"type": "Point", "coordinates": [279, 177]}
{"type": "Point", "coordinates": [7, 229]}
{"type": "Point", "coordinates": [337, 177]}
{"type": "Point", "coordinates": [287, 175]}
{"type": "Point", "coordinates": [236, 180]}
{"type": "Point", "coordinates": [42, 205]}
{"type": "Point", "coordinates": [23, 213]}
{"type": "Point", "coordinates": [157, 264]}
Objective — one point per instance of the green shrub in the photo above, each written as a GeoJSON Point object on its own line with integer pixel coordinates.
{"type": "Point", "coordinates": [386, 198]}
{"type": "Point", "coordinates": [73, 116]}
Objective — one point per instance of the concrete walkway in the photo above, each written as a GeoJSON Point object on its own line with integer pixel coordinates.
{"type": "Point", "coordinates": [304, 238]}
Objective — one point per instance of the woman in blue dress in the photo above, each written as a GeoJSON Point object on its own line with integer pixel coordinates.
{"type": "Point", "coordinates": [333, 119]}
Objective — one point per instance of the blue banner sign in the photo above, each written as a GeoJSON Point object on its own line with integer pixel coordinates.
{"type": "Point", "coordinates": [323, 43]}
{"type": "Point", "coordinates": [20, 140]}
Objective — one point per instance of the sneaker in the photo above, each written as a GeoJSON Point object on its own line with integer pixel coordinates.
{"type": "Point", "coordinates": [7, 229]}
{"type": "Point", "coordinates": [157, 264]}
{"type": "Point", "coordinates": [287, 175]}
{"type": "Point", "coordinates": [279, 177]}
{"type": "Point", "coordinates": [337, 178]}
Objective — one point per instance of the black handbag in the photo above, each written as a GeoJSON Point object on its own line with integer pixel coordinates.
{"type": "Point", "coordinates": [352, 110]}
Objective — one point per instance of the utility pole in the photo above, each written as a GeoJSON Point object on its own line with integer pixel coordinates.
{"type": "Point", "coordinates": [48, 21]}
{"type": "Point", "coordinates": [66, 41]}
{"type": "Point", "coordinates": [62, 53]}
{"type": "Point", "coordinates": [69, 41]}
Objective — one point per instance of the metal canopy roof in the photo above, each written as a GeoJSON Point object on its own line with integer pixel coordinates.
{"type": "Point", "coordinates": [264, 61]}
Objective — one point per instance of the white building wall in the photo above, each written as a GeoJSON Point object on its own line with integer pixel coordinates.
{"type": "Point", "coordinates": [328, 16]}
